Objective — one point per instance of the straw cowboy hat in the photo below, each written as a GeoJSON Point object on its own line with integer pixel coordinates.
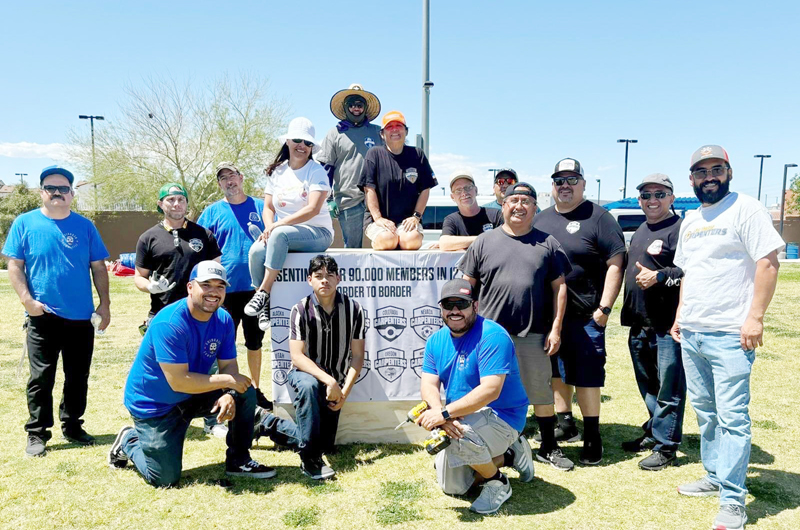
{"type": "Point", "coordinates": [373, 103]}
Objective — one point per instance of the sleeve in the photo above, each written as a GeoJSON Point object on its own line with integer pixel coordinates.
{"type": "Point", "coordinates": [680, 258]}
{"type": "Point", "coordinates": [205, 220]}
{"type": "Point", "coordinates": [370, 170]}
{"type": "Point", "coordinates": [427, 178]}
{"type": "Point", "coordinates": [495, 354]}
{"type": "Point", "coordinates": [143, 253]}
{"type": "Point", "coordinates": [327, 149]}
{"type": "Point", "coordinates": [449, 225]}
{"type": "Point", "coordinates": [169, 343]}
{"type": "Point", "coordinates": [228, 350]}
{"type": "Point", "coordinates": [470, 263]}
{"type": "Point", "coordinates": [498, 216]}
{"type": "Point", "coordinates": [297, 325]}
{"type": "Point", "coordinates": [318, 180]}
{"type": "Point", "coordinates": [14, 247]}
{"type": "Point", "coordinates": [97, 249]}
{"type": "Point", "coordinates": [359, 329]}
{"type": "Point", "coordinates": [429, 362]}
{"type": "Point", "coordinates": [759, 235]}
{"type": "Point", "coordinates": [610, 238]}
{"type": "Point", "coordinates": [213, 247]}
{"type": "Point", "coordinates": [559, 261]}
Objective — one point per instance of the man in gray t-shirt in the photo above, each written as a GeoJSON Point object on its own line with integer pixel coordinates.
{"type": "Point", "coordinates": [520, 272]}
{"type": "Point", "coordinates": [342, 153]}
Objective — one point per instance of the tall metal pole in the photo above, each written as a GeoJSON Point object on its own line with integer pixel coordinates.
{"type": "Point", "coordinates": [21, 178]}
{"type": "Point", "coordinates": [94, 159]}
{"type": "Point", "coordinates": [761, 172]}
{"type": "Point", "coordinates": [426, 73]}
{"type": "Point", "coordinates": [625, 178]}
{"type": "Point", "coordinates": [783, 193]}
{"type": "Point", "coordinates": [598, 192]}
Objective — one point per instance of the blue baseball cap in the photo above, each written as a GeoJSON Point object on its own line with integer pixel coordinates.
{"type": "Point", "coordinates": [56, 170]}
{"type": "Point", "coordinates": [209, 270]}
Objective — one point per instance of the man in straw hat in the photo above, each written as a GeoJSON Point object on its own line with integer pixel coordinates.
{"type": "Point", "coordinates": [342, 154]}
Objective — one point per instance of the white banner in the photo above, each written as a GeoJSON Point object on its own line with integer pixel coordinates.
{"type": "Point", "coordinates": [399, 293]}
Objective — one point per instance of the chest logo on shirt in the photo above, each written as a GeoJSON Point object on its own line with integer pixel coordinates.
{"type": "Point", "coordinates": [487, 227]}
{"type": "Point", "coordinates": [281, 364]}
{"type": "Point", "coordinates": [426, 320]}
{"type": "Point", "coordinates": [254, 217]}
{"type": "Point", "coordinates": [195, 244]}
{"type": "Point", "coordinates": [211, 348]}
{"type": "Point", "coordinates": [390, 364]}
{"type": "Point", "coordinates": [69, 240]}
{"type": "Point", "coordinates": [655, 247]}
{"type": "Point", "coordinates": [297, 191]}
{"type": "Point", "coordinates": [369, 142]}
{"type": "Point", "coordinates": [365, 368]}
{"type": "Point", "coordinates": [279, 322]}
{"type": "Point", "coordinates": [390, 322]}
{"type": "Point", "coordinates": [411, 174]}
{"type": "Point", "coordinates": [417, 359]}
{"type": "Point", "coordinates": [573, 227]}
{"type": "Point", "coordinates": [704, 231]}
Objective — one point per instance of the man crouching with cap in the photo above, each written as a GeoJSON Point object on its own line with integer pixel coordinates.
{"type": "Point", "coordinates": [169, 384]}
{"type": "Point", "coordinates": [473, 358]}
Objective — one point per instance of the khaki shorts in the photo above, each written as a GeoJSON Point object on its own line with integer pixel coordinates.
{"type": "Point", "coordinates": [486, 436]}
{"type": "Point", "coordinates": [534, 368]}
{"type": "Point", "coordinates": [374, 230]}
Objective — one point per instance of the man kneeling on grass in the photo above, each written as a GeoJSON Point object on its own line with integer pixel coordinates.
{"type": "Point", "coordinates": [326, 331]}
{"type": "Point", "coordinates": [169, 384]}
{"type": "Point", "coordinates": [486, 403]}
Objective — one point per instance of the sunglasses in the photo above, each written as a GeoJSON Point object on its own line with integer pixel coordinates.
{"type": "Point", "coordinates": [357, 104]}
{"type": "Point", "coordinates": [716, 171]}
{"type": "Point", "coordinates": [299, 141]}
{"type": "Point", "coordinates": [63, 190]}
{"type": "Point", "coordinates": [505, 180]}
{"type": "Point", "coordinates": [465, 189]}
{"type": "Point", "coordinates": [645, 195]}
{"type": "Point", "coordinates": [517, 200]}
{"type": "Point", "coordinates": [448, 305]}
{"type": "Point", "coordinates": [559, 181]}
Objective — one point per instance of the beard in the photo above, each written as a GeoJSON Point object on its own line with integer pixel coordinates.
{"type": "Point", "coordinates": [462, 326]}
{"type": "Point", "coordinates": [712, 197]}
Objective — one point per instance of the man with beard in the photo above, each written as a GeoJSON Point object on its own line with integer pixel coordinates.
{"type": "Point", "coordinates": [502, 180]}
{"type": "Point", "coordinates": [728, 250]}
{"type": "Point", "coordinates": [519, 271]}
{"type": "Point", "coordinates": [461, 228]}
{"type": "Point", "coordinates": [342, 154]}
{"type": "Point", "coordinates": [236, 222]}
{"type": "Point", "coordinates": [473, 358]}
{"type": "Point", "coordinates": [169, 384]}
{"type": "Point", "coordinates": [652, 287]}
{"type": "Point", "coordinates": [595, 246]}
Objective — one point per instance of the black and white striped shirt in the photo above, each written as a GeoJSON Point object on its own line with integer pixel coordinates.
{"type": "Point", "coordinates": [328, 337]}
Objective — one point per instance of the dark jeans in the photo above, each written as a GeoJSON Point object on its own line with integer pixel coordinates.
{"type": "Point", "coordinates": [658, 367]}
{"type": "Point", "coordinates": [155, 445]}
{"type": "Point", "coordinates": [49, 335]}
{"type": "Point", "coordinates": [315, 430]}
{"type": "Point", "coordinates": [351, 222]}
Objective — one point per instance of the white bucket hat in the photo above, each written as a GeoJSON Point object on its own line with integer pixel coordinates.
{"type": "Point", "coordinates": [301, 129]}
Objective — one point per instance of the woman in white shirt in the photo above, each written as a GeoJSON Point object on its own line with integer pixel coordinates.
{"type": "Point", "coordinates": [295, 214]}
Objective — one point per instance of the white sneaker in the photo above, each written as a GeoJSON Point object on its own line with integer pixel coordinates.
{"type": "Point", "coordinates": [492, 497]}
{"type": "Point", "coordinates": [220, 430]}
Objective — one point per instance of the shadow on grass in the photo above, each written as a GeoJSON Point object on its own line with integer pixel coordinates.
{"type": "Point", "coordinates": [214, 475]}
{"type": "Point", "coordinates": [690, 446]}
{"type": "Point", "coordinates": [774, 492]}
{"type": "Point", "coordinates": [99, 439]}
{"type": "Point", "coordinates": [536, 497]}
{"type": "Point", "coordinates": [349, 457]}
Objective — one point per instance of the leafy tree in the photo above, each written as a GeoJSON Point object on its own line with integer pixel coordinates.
{"type": "Point", "coordinates": [20, 200]}
{"type": "Point", "coordinates": [793, 201]}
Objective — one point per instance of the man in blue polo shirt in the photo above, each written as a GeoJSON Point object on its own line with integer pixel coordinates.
{"type": "Point", "coordinates": [169, 384]}
{"type": "Point", "coordinates": [473, 358]}
{"type": "Point", "coordinates": [50, 253]}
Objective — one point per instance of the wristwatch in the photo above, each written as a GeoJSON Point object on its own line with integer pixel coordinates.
{"type": "Point", "coordinates": [445, 414]}
{"type": "Point", "coordinates": [660, 277]}
{"type": "Point", "coordinates": [605, 310]}
{"type": "Point", "coordinates": [418, 216]}
{"type": "Point", "coordinates": [231, 392]}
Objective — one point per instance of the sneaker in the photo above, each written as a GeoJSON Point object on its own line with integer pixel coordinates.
{"type": "Point", "coordinates": [730, 517]}
{"type": "Point", "coordinates": [262, 401]}
{"type": "Point", "coordinates": [116, 456]}
{"type": "Point", "coordinates": [35, 446]}
{"type": "Point", "coordinates": [257, 303]}
{"type": "Point", "coordinates": [592, 453]}
{"type": "Point", "coordinates": [639, 445]}
{"type": "Point", "coordinates": [316, 469]}
{"type": "Point", "coordinates": [699, 488]}
{"type": "Point", "coordinates": [523, 460]}
{"type": "Point", "coordinates": [220, 430]}
{"type": "Point", "coordinates": [263, 319]}
{"type": "Point", "coordinates": [555, 458]}
{"type": "Point", "coordinates": [572, 434]}
{"type": "Point", "coordinates": [258, 423]}
{"type": "Point", "coordinates": [251, 469]}
{"type": "Point", "coordinates": [78, 436]}
{"type": "Point", "coordinates": [493, 494]}
{"type": "Point", "coordinates": [657, 461]}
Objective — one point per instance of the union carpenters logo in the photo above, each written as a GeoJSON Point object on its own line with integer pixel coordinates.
{"type": "Point", "coordinates": [573, 227]}
{"type": "Point", "coordinates": [279, 322]}
{"type": "Point", "coordinates": [211, 347]}
{"type": "Point", "coordinates": [411, 174]}
{"type": "Point", "coordinates": [281, 364]}
{"type": "Point", "coordinates": [390, 322]}
{"type": "Point", "coordinates": [417, 359]}
{"type": "Point", "coordinates": [195, 244]}
{"type": "Point", "coordinates": [69, 240]}
{"type": "Point", "coordinates": [365, 368]}
{"type": "Point", "coordinates": [254, 217]}
{"type": "Point", "coordinates": [390, 364]}
{"type": "Point", "coordinates": [369, 142]}
{"type": "Point", "coordinates": [705, 151]}
{"type": "Point", "coordinates": [426, 321]}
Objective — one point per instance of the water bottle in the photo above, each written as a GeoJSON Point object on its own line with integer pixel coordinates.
{"type": "Point", "coordinates": [96, 321]}
{"type": "Point", "coordinates": [255, 231]}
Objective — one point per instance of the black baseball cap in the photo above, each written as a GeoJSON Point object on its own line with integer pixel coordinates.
{"type": "Point", "coordinates": [521, 188]}
{"type": "Point", "coordinates": [458, 288]}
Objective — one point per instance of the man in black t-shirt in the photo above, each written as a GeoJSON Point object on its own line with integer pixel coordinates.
{"type": "Point", "coordinates": [461, 228]}
{"type": "Point", "coordinates": [396, 181]}
{"type": "Point", "coordinates": [596, 248]}
{"type": "Point", "coordinates": [652, 291]}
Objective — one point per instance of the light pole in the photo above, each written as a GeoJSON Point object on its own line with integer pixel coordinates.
{"type": "Point", "coordinates": [427, 84]}
{"type": "Point", "coordinates": [625, 179]}
{"type": "Point", "coordinates": [783, 193]}
{"type": "Point", "coordinates": [598, 192]}
{"type": "Point", "coordinates": [94, 160]}
{"type": "Point", "coordinates": [761, 172]}
{"type": "Point", "coordinates": [21, 178]}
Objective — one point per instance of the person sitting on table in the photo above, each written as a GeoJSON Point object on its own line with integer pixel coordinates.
{"type": "Point", "coordinates": [396, 180]}
{"type": "Point", "coordinates": [294, 217]}
{"type": "Point", "coordinates": [461, 228]}
{"type": "Point", "coordinates": [326, 331]}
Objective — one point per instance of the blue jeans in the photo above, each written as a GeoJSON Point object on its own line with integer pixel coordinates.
{"type": "Point", "coordinates": [297, 238]}
{"type": "Point", "coordinates": [155, 445]}
{"type": "Point", "coordinates": [315, 430]}
{"type": "Point", "coordinates": [352, 223]}
{"type": "Point", "coordinates": [659, 374]}
{"type": "Point", "coordinates": [718, 381]}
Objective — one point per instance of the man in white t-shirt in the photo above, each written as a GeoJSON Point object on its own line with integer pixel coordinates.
{"type": "Point", "coordinates": [728, 250]}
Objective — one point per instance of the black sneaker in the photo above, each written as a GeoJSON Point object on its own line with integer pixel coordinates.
{"type": "Point", "coordinates": [572, 434]}
{"type": "Point", "coordinates": [657, 461]}
{"type": "Point", "coordinates": [316, 469]}
{"type": "Point", "coordinates": [262, 401]}
{"type": "Point", "coordinates": [639, 445]}
{"type": "Point", "coordinates": [258, 420]}
{"type": "Point", "coordinates": [250, 469]}
{"type": "Point", "coordinates": [259, 301]}
{"type": "Point", "coordinates": [116, 456]}
{"type": "Point", "coordinates": [592, 453]}
{"type": "Point", "coordinates": [35, 446]}
{"type": "Point", "coordinates": [78, 436]}
{"type": "Point", "coordinates": [555, 458]}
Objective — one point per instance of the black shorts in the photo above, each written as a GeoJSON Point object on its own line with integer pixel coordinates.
{"type": "Point", "coordinates": [234, 304]}
{"type": "Point", "coordinates": [581, 360]}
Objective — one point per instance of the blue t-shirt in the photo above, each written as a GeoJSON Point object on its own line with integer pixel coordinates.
{"type": "Point", "coordinates": [57, 255]}
{"type": "Point", "coordinates": [175, 337]}
{"type": "Point", "coordinates": [228, 222]}
{"type": "Point", "coordinates": [484, 350]}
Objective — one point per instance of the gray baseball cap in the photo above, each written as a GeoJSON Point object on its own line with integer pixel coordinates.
{"type": "Point", "coordinates": [568, 164]}
{"type": "Point", "coordinates": [709, 151]}
{"type": "Point", "coordinates": [656, 178]}
{"type": "Point", "coordinates": [461, 174]}
{"type": "Point", "coordinates": [209, 270]}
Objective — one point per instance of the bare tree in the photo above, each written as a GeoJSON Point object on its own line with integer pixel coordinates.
{"type": "Point", "coordinates": [169, 131]}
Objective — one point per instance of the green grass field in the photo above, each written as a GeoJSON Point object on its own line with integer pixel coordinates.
{"type": "Point", "coordinates": [386, 486]}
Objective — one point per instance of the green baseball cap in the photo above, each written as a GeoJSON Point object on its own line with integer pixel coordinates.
{"type": "Point", "coordinates": [167, 190]}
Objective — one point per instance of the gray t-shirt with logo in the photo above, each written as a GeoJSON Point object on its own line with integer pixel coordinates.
{"type": "Point", "coordinates": [345, 151]}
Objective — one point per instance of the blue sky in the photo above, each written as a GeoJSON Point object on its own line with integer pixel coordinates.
{"type": "Point", "coordinates": [517, 84]}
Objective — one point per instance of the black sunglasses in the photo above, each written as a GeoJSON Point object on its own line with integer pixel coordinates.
{"type": "Point", "coordinates": [460, 304]}
{"type": "Point", "coordinates": [299, 141]}
{"type": "Point", "coordinates": [645, 195]}
{"type": "Point", "coordinates": [357, 104]}
{"type": "Point", "coordinates": [559, 181]}
{"type": "Point", "coordinates": [716, 171]}
{"type": "Point", "coordinates": [63, 190]}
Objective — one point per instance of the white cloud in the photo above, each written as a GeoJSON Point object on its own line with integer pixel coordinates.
{"type": "Point", "coordinates": [33, 150]}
